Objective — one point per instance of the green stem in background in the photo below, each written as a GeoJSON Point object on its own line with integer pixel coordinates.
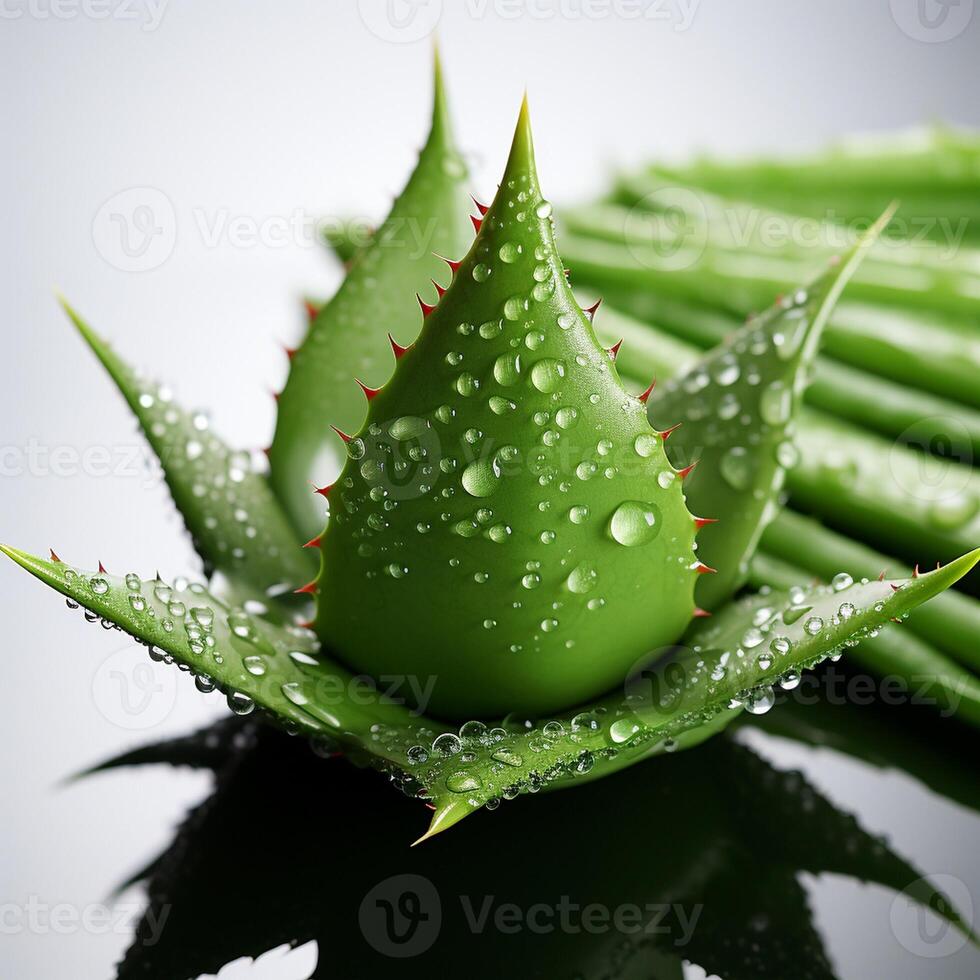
{"type": "Point", "coordinates": [927, 675]}
{"type": "Point", "coordinates": [926, 349]}
{"type": "Point", "coordinates": [933, 171]}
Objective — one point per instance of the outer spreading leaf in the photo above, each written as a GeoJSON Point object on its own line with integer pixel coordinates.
{"type": "Point", "coordinates": [737, 406]}
{"type": "Point", "coordinates": [349, 337]}
{"type": "Point", "coordinates": [235, 522]}
{"type": "Point", "coordinates": [675, 703]}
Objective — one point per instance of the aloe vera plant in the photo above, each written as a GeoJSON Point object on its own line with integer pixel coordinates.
{"type": "Point", "coordinates": [507, 522]}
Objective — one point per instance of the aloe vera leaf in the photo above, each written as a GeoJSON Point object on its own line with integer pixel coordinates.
{"type": "Point", "coordinates": [694, 692]}
{"type": "Point", "coordinates": [235, 522]}
{"type": "Point", "coordinates": [950, 621]}
{"type": "Point", "coordinates": [881, 339]}
{"type": "Point", "coordinates": [858, 479]}
{"type": "Point", "coordinates": [348, 340]}
{"type": "Point", "coordinates": [278, 669]}
{"type": "Point", "coordinates": [940, 425]}
{"type": "Point", "coordinates": [345, 239]}
{"type": "Point", "coordinates": [254, 662]}
{"type": "Point", "coordinates": [736, 407]}
{"type": "Point", "coordinates": [670, 212]}
{"type": "Point", "coordinates": [504, 487]}
{"type": "Point", "coordinates": [928, 675]}
{"type": "Point", "coordinates": [886, 493]}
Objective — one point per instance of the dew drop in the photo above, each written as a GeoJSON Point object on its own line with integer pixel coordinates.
{"type": "Point", "coordinates": [634, 523]}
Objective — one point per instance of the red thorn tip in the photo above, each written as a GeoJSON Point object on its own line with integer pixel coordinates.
{"type": "Point", "coordinates": [102, 568]}
{"type": "Point", "coordinates": [915, 571]}
{"type": "Point", "coordinates": [313, 542]}
{"type": "Point", "coordinates": [311, 310]}
{"type": "Point", "coordinates": [323, 491]}
{"type": "Point", "coordinates": [427, 308]}
{"type": "Point", "coordinates": [477, 223]}
{"type": "Point", "coordinates": [703, 569]}
{"type": "Point", "coordinates": [687, 469]}
{"type": "Point", "coordinates": [613, 351]}
{"type": "Point", "coordinates": [700, 613]}
{"type": "Point", "coordinates": [482, 208]}
{"type": "Point", "coordinates": [290, 351]}
{"type": "Point", "coordinates": [665, 435]}
{"type": "Point", "coordinates": [590, 311]}
{"type": "Point", "coordinates": [275, 395]}
{"type": "Point", "coordinates": [881, 577]}
{"type": "Point", "coordinates": [646, 394]}
{"type": "Point", "coordinates": [700, 522]}
{"type": "Point", "coordinates": [453, 264]}
{"type": "Point", "coordinates": [307, 624]}
{"type": "Point", "coordinates": [340, 432]}
{"type": "Point", "coordinates": [441, 290]}
{"type": "Point", "coordinates": [369, 393]}
{"type": "Point", "coordinates": [396, 348]}
{"type": "Point", "coordinates": [54, 557]}
{"type": "Point", "coordinates": [895, 588]}
{"type": "Point", "coordinates": [268, 452]}
{"type": "Point", "coordinates": [308, 589]}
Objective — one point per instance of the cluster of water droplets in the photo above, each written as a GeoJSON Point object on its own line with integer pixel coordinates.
{"type": "Point", "coordinates": [224, 486]}
{"type": "Point", "coordinates": [515, 417]}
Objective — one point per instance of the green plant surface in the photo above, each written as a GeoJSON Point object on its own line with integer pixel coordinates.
{"type": "Point", "coordinates": [950, 622]}
{"type": "Point", "coordinates": [348, 340]}
{"type": "Point", "coordinates": [735, 407]}
{"type": "Point", "coordinates": [675, 702]}
{"type": "Point", "coordinates": [895, 409]}
{"type": "Point", "coordinates": [925, 505]}
{"type": "Point", "coordinates": [933, 171]}
{"type": "Point", "coordinates": [235, 522]}
{"type": "Point", "coordinates": [927, 674]}
{"type": "Point", "coordinates": [920, 347]}
{"type": "Point", "coordinates": [507, 509]}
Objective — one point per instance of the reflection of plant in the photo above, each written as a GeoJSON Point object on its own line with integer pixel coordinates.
{"type": "Point", "coordinates": [506, 519]}
{"type": "Point", "coordinates": [730, 865]}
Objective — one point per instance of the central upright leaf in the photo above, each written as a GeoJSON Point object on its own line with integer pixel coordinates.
{"type": "Point", "coordinates": [507, 521]}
